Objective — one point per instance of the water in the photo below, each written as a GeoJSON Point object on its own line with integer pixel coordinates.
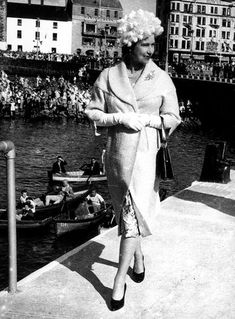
{"type": "Point", "coordinates": [37, 146]}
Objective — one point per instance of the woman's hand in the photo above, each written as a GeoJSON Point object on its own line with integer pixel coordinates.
{"type": "Point", "coordinates": [153, 121]}
{"type": "Point", "coordinates": [131, 120]}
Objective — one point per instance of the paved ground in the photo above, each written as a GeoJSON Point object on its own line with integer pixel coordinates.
{"type": "Point", "coordinates": [190, 271]}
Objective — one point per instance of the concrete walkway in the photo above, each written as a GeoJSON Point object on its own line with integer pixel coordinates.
{"type": "Point", "coordinates": [190, 268]}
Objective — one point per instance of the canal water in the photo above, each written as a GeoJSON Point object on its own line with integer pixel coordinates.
{"type": "Point", "coordinates": [38, 145]}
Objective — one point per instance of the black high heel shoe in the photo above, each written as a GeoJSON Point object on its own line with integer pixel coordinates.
{"type": "Point", "coordinates": [138, 277]}
{"type": "Point", "coordinates": [118, 304]}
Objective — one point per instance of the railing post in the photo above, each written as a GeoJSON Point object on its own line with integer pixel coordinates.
{"type": "Point", "coordinates": [8, 148]}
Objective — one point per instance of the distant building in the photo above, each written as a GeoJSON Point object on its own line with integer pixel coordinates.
{"type": "Point", "coordinates": [39, 25]}
{"type": "Point", "coordinates": [95, 27]}
{"type": "Point", "coordinates": [128, 6]}
{"type": "Point", "coordinates": [202, 30]}
{"type": "Point", "coordinates": [3, 24]}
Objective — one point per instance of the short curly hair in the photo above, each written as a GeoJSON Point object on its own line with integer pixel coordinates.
{"type": "Point", "coordinates": [137, 26]}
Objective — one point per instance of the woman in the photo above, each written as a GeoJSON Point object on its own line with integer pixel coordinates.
{"type": "Point", "coordinates": [130, 99]}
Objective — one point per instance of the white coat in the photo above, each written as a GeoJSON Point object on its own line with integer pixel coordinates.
{"type": "Point", "coordinates": [131, 155]}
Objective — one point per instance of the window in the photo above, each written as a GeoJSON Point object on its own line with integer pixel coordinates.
{"type": "Point", "coordinates": [176, 30]}
{"type": "Point", "coordinates": [96, 12]}
{"type": "Point", "coordinates": [55, 25]}
{"type": "Point", "coordinates": [203, 9]}
{"type": "Point", "coordinates": [82, 10]}
{"type": "Point", "coordinates": [9, 46]}
{"type": "Point", "coordinates": [176, 44]}
{"type": "Point", "coordinates": [54, 36]}
{"type": "Point", "coordinates": [188, 45]}
{"type": "Point", "coordinates": [177, 18]}
{"type": "Point", "coordinates": [19, 22]}
{"type": "Point", "coordinates": [172, 30]}
{"type": "Point", "coordinates": [223, 34]}
{"type": "Point", "coordinates": [224, 23]}
{"type": "Point", "coordinates": [228, 24]}
{"type": "Point", "coordinates": [184, 32]}
{"type": "Point", "coordinates": [199, 9]}
{"type": "Point", "coordinates": [178, 7]}
{"type": "Point", "coordinates": [172, 5]}
{"type": "Point", "coordinates": [234, 37]}
{"type": "Point", "coordinates": [53, 50]}
{"type": "Point", "coordinates": [197, 45]}
{"type": "Point", "coordinates": [204, 21]}
{"type": "Point", "coordinates": [228, 35]}
{"type": "Point", "coordinates": [172, 18]}
{"type": "Point", "coordinates": [202, 46]}
{"type": "Point", "coordinates": [234, 47]}
{"type": "Point", "coordinates": [183, 44]}
{"type": "Point", "coordinates": [115, 14]}
{"type": "Point", "coordinates": [108, 13]}
{"type": "Point", "coordinates": [185, 19]}
{"type": "Point", "coordinates": [198, 33]}
{"type": "Point", "coordinates": [224, 12]}
{"type": "Point", "coordinates": [37, 24]}
{"type": "Point", "coordinates": [88, 41]}
{"type": "Point", "coordinates": [171, 43]}
{"type": "Point", "coordinates": [19, 48]}
{"type": "Point", "coordinates": [19, 34]}
{"type": "Point", "coordinates": [37, 35]}
{"type": "Point", "coordinates": [185, 7]}
{"type": "Point", "coordinates": [90, 28]}
{"type": "Point", "coordinates": [199, 20]}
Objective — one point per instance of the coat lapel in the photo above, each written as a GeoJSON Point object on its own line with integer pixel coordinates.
{"type": "Point", "coordinates": [144, 85]}
{"type": "Point", "coordinates": [120, 85]}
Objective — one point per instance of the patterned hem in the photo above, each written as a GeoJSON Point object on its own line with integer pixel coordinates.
{"type": "Point", "coordinates": [128, 221]}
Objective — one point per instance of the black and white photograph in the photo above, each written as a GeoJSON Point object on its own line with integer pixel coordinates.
{"type": "Point", "coordinates": [117, 159]}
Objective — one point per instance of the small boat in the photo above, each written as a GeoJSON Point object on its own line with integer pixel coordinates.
{"type": "Point", "coordinates": [27, 224]}
{"type": "Point", "coordinates": [66, 205]}
{"type": "Point", "coordinates": [77, 176]}
{"type": "Point", "coordinates": [65, 225]}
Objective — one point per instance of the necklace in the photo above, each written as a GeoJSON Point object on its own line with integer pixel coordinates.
{"type": "Point", "coordinates": [134, 76]}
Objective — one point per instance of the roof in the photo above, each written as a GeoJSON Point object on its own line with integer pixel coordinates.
{"type": "Point", "coordinates": [95, 3]}
{"type": "Point", "coordinates": [32, 11]}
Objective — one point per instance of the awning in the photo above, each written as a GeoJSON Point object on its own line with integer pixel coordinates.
{"type": "Point", "coordinates": [199, 57]}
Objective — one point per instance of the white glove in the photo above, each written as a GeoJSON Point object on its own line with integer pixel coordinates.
{"type": "Point", "coordinates": [153, 121]}
{"type": "Point", "coordinates": [130, 120]}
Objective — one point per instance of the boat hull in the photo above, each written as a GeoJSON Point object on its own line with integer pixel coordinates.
{"type": "Point", "coordinates": [67, 226]}
{"type": "Point", "coordinates": [78, 177]}
{"type": "Point", "coordinates": [27, 224]}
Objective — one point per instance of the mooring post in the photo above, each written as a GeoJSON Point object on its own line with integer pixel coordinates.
{"type": "Point", "coordinates": [8, 148]}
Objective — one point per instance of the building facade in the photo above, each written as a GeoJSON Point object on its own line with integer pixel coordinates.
{"type": "Point", "coordinates": [95, 27]}
{"type": "Point", "coordinates": [202, 30]}
{"type": "Point", "coordinates": [39, 25]}
{"type": "Point", "coordinates": [3, 24]}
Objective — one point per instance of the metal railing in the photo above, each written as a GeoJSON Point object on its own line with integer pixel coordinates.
{"type": "Point", "coordinates": [8, 148]}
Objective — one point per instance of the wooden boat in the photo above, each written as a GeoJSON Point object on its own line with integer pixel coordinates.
{"type": "Point", "coordinates": [27, 224]}
{"type": "Point", "coordinates": [78, 176]}
{"type": "Point", "coordinates": [66, 205]}
{"type": "Point", "coordinates": [65, 225]}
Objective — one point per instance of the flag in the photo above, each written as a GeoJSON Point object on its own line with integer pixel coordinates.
{"type": "Point", "coordinates": [214, 26]}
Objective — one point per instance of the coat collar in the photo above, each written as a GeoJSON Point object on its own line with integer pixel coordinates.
{"type": "Point", "coordinates": [121, 87]}
{"type": "Point", "coordinates": [120, 84]}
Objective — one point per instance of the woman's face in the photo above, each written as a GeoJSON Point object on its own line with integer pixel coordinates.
{"type": "Point", "coordinates": [143, 50]}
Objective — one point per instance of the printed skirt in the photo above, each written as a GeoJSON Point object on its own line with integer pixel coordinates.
{"type": "Point", "coordinates": [128, 221]}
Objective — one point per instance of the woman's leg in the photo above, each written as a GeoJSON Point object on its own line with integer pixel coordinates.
{"type": "Point", "coordinates": [127, 249]}
{"type": "Point", "coordinates": [138, 255]}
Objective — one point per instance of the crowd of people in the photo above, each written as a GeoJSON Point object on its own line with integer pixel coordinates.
{"type": "Point", "coordinates": [44, 98]}
{"type": "Point", "coordinates": [95, 60]}
{"type": "Point", "coordinates": [211, 69]}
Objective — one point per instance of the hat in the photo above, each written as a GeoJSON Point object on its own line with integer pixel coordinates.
{"type": "Point", "coordinates": [137, 26]}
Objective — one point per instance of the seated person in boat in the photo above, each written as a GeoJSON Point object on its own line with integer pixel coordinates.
{"type": "Point", "coordinates": [95, 201]}
{"type": "Point", "coordinates": [23, 198]}
{"type": "Point", "coordinates": [59, 166]}
{"type": "Point", "coordinates": [66, 191]}
{"type": "Point", "coordinates": [28, 210]}
{"type": "Point", "coordinates": [91, 169]}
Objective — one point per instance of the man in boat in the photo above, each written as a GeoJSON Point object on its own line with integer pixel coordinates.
{"type": "Point", "coordinates": [95, 201]}
{"type": "Point", "coordinates": [91, 169]}
{"type": "Point", "coordinates": [23, 198]}
{"type": "Point", "coordinates": [66, 191]}
{"type": "Point", "coordinates": [59, 165]}
{"type": "Point", "coordinates": [28, 210]}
